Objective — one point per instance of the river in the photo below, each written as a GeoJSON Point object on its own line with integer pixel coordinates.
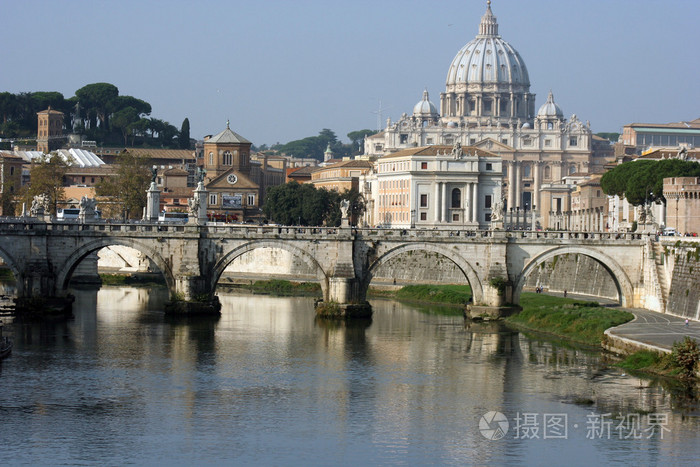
{"type": "Point", "coordinates": [267, 384]}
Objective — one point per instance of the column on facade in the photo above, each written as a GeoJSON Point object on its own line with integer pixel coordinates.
{"type": "Point", "coordinates": [437, 202]}
{"type": "Point", "coordinates": [475, 204]}
{"type": "Point", "coordinates": [443, 202]}
{"type": "Point", "coordinates": [470, 201]}
{"type": "Point", "coordinates": [536, 190]}
{"type": "Point", "coordinates": [511, 185]}
{"type": "Point", "coordinates": [518, 182]}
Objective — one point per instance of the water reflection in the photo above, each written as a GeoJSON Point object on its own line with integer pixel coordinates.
{"type": "Point", "coordinates": [267, 383]}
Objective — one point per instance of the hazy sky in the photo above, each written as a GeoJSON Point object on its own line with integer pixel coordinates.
{"type": "Point", "coordinates": [283, 70]}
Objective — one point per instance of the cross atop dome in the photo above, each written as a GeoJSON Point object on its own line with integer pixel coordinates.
{"type": "Point", "coordinates": [489, 25]}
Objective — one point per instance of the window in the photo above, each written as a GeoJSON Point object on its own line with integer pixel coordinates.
{"type": "Point", "coordinates": [251, 199]}
{"type": "Point", "coordinates": [228, 158]}
{"type": "Point", "coordinates": [489, 166]}
{"type": "Point", "coordinates": [212, 199]}
{"type": "Point", "coordinates": [504, 140]}
{"type": "Point", "coordinates": [12, 172]}
{"type": "Point", "coordinates": [573, 141]}
{"type": "Point", "coordinates": [526, 170]}
{"type": "Point", "coordinates": [403, 138]}
{"type": "Point", "coordinates": [211, 158]}
{"type": "Point", "coordinates": [487, 106]}
{"type": "Point", "coordinates": [487, 217]}
{"type": "Point", "coordinates": [527, 141]}
{"type": "Point", "coordinates": [424, 165]}
{"type": "Point", "coordinates": [550, 125]}
{"type": "Point", "coordinates": [547, 172]}
{"type": "Point", "coordinates": [456, 198]}
{"type": "Point", "coordinates": [429, 141]}
{"type": "Point", "coordinates": [83, 180]}
{"type": "Point", "coordinates": [92, 179]}
{"type": "Point", "coordinates": [424, 201]}
{"type": "Point", "coordinates": [547, 143]}
{"type": "Point", "coordinates": [487, 201]}
{"type": "Point", "coordinates": [423, 216]}
{"type": "Point", "coordinates": [455, 217]}
{"type": "Point", "coordinates": [472, 141]}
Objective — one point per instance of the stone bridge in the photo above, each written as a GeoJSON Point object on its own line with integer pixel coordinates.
{"type": "Point", "coordinates": [43, 256]}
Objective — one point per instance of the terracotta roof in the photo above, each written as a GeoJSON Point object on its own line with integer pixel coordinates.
{"type": "Point", "coordinates": [185, 154]}
{"type": "Point", "coordinates": [301, 171]}
{"type": "Point", "coordinates": [433, 151]}
{"type": "Point", "coordinates": [226, 136]}
{"type": "Point", "coordinates": [691, 125]}
{"type": "Point", "coordinates": [362, 164]}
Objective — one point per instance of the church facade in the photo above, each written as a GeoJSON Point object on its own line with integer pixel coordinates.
{"type": "Point", "coordinates": [487, 104]}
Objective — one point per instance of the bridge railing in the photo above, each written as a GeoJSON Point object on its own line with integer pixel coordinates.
{"type": "Point", "coordinates": [32, 224]}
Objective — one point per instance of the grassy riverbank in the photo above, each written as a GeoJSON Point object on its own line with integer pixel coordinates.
{"type": "Point", "coordinates": [279, 287]}
{"type": "Point", "coordinates": [681, 363]}
{"type": "Point", "coordinates": [442, 294]}
{"type": "Point", "coordinates": [575, 320]}
{"type": "Point", "coordinates": [136, 280]}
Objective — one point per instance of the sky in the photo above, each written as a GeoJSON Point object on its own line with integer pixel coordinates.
{"type": "Point", "coordinates": [284, 70]}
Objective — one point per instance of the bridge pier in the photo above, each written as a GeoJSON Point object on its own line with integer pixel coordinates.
{"type": "Point", "coordinates": [192, 297]}
{"type": "Point", "coordinates": [37, 293]}
{"type": "Point", "coordinates": [344, 301]}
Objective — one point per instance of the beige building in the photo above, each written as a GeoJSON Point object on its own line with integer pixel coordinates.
{"type": "Point", "coordinates": [437, 186]}
{"type": "Point", "coordinates": [340, 176]}
{"type": "Point", "coordinates": [683, 204]}
{"type": "Point", "coordinates": [643, 136]}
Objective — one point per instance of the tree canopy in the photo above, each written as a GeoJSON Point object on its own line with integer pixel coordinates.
{"type": "Point", "coordinates": [641, 181]}
{"type": "Point", "coordinates": [97, 111]}
{"type": "Point", "coordinates": [127, 187]}
{"type": "Point", "coordinates": [46, 177]}
{"type": "Point", "coordinates": [304, 204]}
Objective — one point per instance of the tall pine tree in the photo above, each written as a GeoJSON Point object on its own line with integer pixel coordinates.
{"type": "Point", "coordinates": [184, 137]}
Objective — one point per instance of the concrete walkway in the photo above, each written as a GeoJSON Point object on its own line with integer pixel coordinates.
{"type": "Point", "coordinates": [655, 330]}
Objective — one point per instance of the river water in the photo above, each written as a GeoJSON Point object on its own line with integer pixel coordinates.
{"type": "Point", "coordinates": [267, 384]}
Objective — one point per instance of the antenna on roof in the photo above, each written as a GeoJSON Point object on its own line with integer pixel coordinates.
{"type": "Point", "coordinates": [379, 113]}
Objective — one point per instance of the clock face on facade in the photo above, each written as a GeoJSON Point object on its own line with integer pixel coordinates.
{"type": "Point", "coordinates": [231, 178]}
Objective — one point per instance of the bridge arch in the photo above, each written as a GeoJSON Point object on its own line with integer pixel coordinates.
{"type": "Point", "coordinates": [240, 250]}
{"type": "Point", "coordinates": [464, 265]}
{"type": "Point", "coordinates": [622, 282]}
{"type": "Point", "coordinates": [66, 270]}
{"type": "Point", "coordinates": [12, 264]}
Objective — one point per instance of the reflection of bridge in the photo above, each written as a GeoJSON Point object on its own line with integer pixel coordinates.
{"type": "Point", "coordinates": [43, 256]}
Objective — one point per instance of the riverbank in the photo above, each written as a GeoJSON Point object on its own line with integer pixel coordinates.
{"type": "Point", "coordinates": [575, 320]}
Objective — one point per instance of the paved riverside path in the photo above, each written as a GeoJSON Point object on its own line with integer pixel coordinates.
{"type": "Point", "coordinates": [648, 327]}
{"type": "Point", "coordinates": [657, 329]}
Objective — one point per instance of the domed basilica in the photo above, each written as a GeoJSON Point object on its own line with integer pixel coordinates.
{"type": "Point", "coordinates": [487, 104]}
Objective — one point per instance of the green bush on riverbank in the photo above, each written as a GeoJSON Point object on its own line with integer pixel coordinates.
{"type": "Point", "coordinates": [583, 322]}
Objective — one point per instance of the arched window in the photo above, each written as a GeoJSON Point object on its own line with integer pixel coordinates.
{"type": "Point", "coordinates": [526, 170]}
{"type": "Point", "coordinates": [211, 158]}
{"type": "Point", "coordinates": [572, 169]}
{"type": "Point", "coordinates": [550, 125]}
{"type": "Point", "coordinates": [547, 172]}
{"type": "Point", "coordinates": [456, 198]}
{"type": "Point", "coordinates": [228, 158]}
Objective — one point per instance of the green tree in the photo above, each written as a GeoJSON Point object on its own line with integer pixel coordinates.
{"type": "Point", "coordinates": [127, 187]}
{"type": "Point", "coordinates": [357, 138]}
{"type": "Point", "coordinates": [184, 136]}
{"type": "Point", "coordinates": [46, 177]}
{"type": "Point", "coordinates": [124, 120]}
{"type": "Point", "coordinates": [97, 99]}
{"type": "Point", "coordinates": [642, 181]}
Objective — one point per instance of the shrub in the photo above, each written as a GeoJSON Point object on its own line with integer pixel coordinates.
{"type": "Point", "coordinates": [685, 356]}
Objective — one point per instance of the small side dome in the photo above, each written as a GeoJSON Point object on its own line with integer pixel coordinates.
{"type": "Point", "coordinates": [452, 124]}
{"type": "Point", "coordinates": [424, 108]}
{"type": "Point", "coordinates": [526, 126]}
{"type": "Point", "coordinates": [550, 109]}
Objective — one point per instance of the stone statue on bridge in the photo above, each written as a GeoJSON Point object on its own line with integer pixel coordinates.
{"type": "Point", "coordinates": [193, 204]}
{"type": "Point", "coordinates": [40, 205]}
{"type": "Point", "coordinates": [497, 210]}
{"type": "Point", "coordinates": [87, 209]}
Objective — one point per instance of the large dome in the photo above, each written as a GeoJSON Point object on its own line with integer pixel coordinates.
{"type": "Point", "coordinates": [487, 81]}
{"type": "Point", "coordinates": [488, 59]}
